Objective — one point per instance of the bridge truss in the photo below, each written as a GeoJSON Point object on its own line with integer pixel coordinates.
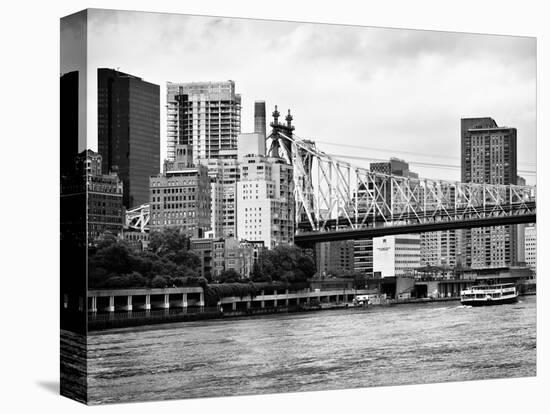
{"type": "Point", "coordinates": [331, 194]}
{"type": "Point", "coordinates": [138, 218]}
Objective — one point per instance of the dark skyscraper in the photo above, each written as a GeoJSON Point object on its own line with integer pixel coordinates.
{"type": "Point", "coordinates": [489, 152]}
{"type": "Point", "coordinates": [259, 118]}
{"type": "Point", "coordinates": [489, 155]}
{"type": "Point", "coordinates": [129, 131]}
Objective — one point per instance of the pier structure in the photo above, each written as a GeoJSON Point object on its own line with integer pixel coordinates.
{"type": "Point", "coordinates": [111, 300]}
{"type": "Point", "coordinates": [116, 300]}
{"type": "Point", "coordinates": [286, 298]}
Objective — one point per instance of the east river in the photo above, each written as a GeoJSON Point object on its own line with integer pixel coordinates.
{"type": "Point", "coordinates": [384, 345]}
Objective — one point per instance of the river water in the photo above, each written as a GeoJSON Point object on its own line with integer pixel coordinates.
{"type": "Point", "coordinates": [403, 344]}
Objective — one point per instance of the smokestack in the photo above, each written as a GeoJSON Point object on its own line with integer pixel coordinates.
{"type": "Point", "coordinates": [259, 118]}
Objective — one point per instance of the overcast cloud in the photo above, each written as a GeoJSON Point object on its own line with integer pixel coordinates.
{"type": "Point", "coordinates": [398, 92]}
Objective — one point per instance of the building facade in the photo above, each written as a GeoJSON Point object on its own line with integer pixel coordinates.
{"type": "Point", "coordinates": [362, 256]}
{"type": "Point", "coordinates": [128, 122]}
{"type": "Point", "coordinates": [531, 247]}
{"type": "Point", "coordinates": [489, 156]}
{"type": "Point", "coordinates": [205, 115]}
{"type": "Point", "coordinates": [396, 255]}
{"type": "Point", "coordinates": [439, 248]}
{"type": "Point", "coordinates": [434, 246]}
{"type": "Point", "coordinates": [240, 256]}
{"type": "Point", "coordinates": [394, 166]}
{"type": "Point", "coordinates": [105, 211]}
{"type": "Point", "coordinates": [265, 201]}
{"type": "Point", "coordinates": [334, 258]}
{"type": "Point", "coordinates": [250, 144]}
{"type": "Point", "coordinates": [211, 256]}
{"type": "Point", "coordinates": [224, 174]}
{"type": "Point", "coordinates": [180, 197]}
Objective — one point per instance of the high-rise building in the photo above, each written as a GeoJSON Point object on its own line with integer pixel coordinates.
{"type": "Point", "coordinates": [362, 256]}
{"type": "Point", "coordinates": [531, 247]}
{"type": "Point", "coordinates": [180, 197]}
{"type": "Point", "coordinates": [489, 156]}
{"type": "Point", "coordinates": [396, 255]}
{"type": "Point", "coordinates": [205, 115]}
{"type": "Point", "coordinates": [489, 153]}
{"type": "Point", "coordinates": [334, 258]}
{"type": "Point", "coordinates": [128, 122]}
{"type": "Point", "coordinates": [394, 166]}
{"type": "Point", "coordinates": [364, 248]}
{"type": "Point", "coordinates": [224, 174]}
{"type": "Point", "coordinates": [259, 118]}
{"type": "Point", "coordinates": [439, 248]}
{"type": "Point", "coordinates": [265, 201]}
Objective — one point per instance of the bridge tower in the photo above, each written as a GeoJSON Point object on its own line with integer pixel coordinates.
{"type": "Point", "coordinates": [283, 144]}
{"type": "Point", "coordinates": [280, 135]}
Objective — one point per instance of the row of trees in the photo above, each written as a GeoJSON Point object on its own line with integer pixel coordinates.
{"type": "Point", "coordinates": [167, 262]}
{"type": "Point", "coordinates": [170, 262]}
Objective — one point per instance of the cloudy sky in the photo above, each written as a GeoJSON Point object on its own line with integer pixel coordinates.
{"type": "Point", "coordinates": [366, 92]}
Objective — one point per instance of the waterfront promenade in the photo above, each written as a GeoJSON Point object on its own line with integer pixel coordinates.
{"type": "Point", "coordinates": [110, 308]}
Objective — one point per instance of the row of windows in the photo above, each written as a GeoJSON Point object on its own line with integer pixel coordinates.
{"type": "Point", "coordinates": [174, 198]}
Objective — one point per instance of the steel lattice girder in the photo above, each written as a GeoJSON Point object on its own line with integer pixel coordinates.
{"type": "Point", "coordinates": [138, 217]}
{"type": "Point", "coordinates": [336, 194]}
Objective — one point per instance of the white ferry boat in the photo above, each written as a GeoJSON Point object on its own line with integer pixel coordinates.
{"type": "Point", "coordinates": [485, 295]}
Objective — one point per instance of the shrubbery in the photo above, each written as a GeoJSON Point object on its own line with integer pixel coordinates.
{"type": "Point", "coordinates": [169, 262]}
{"type": "Point", "coordinates": [215, 292]}
{"type": "Point", "coordinates": [284, 263]}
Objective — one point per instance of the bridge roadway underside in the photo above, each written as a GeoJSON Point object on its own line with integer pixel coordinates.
{"type": "Point", "coordinates": [309, 238]}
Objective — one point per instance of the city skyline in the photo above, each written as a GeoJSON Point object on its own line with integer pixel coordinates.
{"type": "Point", "coordinates": [438, 77]}
{"type": "Point", "coordinates": [249, 232]}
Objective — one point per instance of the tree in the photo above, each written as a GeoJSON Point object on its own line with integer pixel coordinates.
{"type": "Point", "coordinates": [286, 263]}
{"type": "Point", "coordinates": [113, 264]}
{"type": "Point", "coordinates": [160, 282]}
{"type": "Point", "coordinates": [168, 241]}
{"type": "Point", "coordinates": [229, 276]}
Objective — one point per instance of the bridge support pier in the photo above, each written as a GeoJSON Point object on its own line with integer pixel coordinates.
{"type": "Point", "coordinates": [147, 302]}
{"type": "Point", "coordinates": [201, 300]}
{"type": "Point", "coordinates": [93, 308]}
{"type": "Point", "coordinates": [111, 307]}
{"type": "Point", "coordinates": [128, 303]}
{"type": "Point", "coordinates": [166, 304]}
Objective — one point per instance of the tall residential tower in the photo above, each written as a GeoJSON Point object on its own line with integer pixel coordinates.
{"type": "Point", "coordinates": [489, 156]}
{"type": "Point", "coordinates": [205, 115]}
